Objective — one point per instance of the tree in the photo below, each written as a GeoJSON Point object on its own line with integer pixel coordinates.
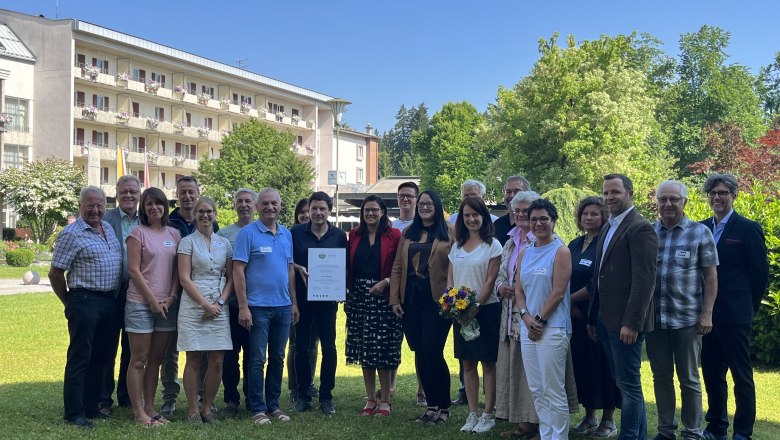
{"type": "Point", "coordinates": [708, 91]}
{"type": "Point", "coordinates": [584, 111]}
{"type": "Point", "coordinates": [256, 156]}
{"type": "Point", "coordinates": [396, 155]}
{"type": "Point", "coordinates": [43, 193]}
{"type": "Point", "coordinates": [450, 151]}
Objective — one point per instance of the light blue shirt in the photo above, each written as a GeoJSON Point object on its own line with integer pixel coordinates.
{"type": "Point", "coordinates": [128, 224]}
{"type": "Point", "coordinates": [267, 257]}
{"type": "Point", "coordinates": [718, 227]}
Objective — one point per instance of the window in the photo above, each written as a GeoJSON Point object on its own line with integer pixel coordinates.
{"type": "Point", "coordinates": [14, 156]}
{"type": "Point", "coordinates": [193, 88]}
{"type": "Point", "coordinates": [360, 150]}
{"type": "Point", "coordinates": [100, 138]}
{"type": "Point", "coordinates": [300, 140]}
{"type": "Point", "coordinates": [139, 75]}
{"type": "Point", "coordinates": [275, 108]}
{"type": "Point", "coordinates": [140, 175]}
{"type": "Point", "coordinates": [139, 144]}
{"type": "Point", "coordinates": [295, 112]}
{"type": "Point", "coordinates": [104, 176]}
{"type": "Point", "coordinates": [186, 151]}
{"type": "Point", "coordinates": [18, 109]}
{"type": "Point", "coordinates": [100, 64]}
{"type": "Point", "coordinates": [159, 113]}
{"type": "Point", "coordinates": [101, 102]}
{"type": "Point", "coordinates": [235, 98]}
{"type": "Point", "coordinates": [359, 174]}
{"type": "Point", "coordinates": [208, 123]}
{"type": "Point", "coordinates": [79, 136]}
{"type": "Point", "coordinates": [81, 60]}
{"type": "Point", "coordinates": [208, 90]}
{"type": "Point", "coordinates": [159, 78]}
{"type": "Point", "coordinates": [162, 179]}
{"type": "Point", "coordinates": [80, 99]}
{"type": "Point", "coordinates": [136, 110]}
{"type": "Point", "coordinates": [189, 119]}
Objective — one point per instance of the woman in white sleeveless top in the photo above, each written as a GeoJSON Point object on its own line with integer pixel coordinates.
{"type": "Point", "coordinates": [542, 295]}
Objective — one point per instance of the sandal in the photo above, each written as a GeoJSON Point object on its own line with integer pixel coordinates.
{"type": "Point", "coordinates": [382, 412]}
{"type": "Point", "coordinates": [195, 419]}
{"type": "Point", "coordinates": [430, 415]}
{"type": "Point", "coordinates": [442, 416]}
{"type": "Point", "coordinates": [209, 418]}
{"type": "Point", "coordinates": [605, 430]}
{"type": "Point", "coordinates": [586, 426]}
{"type": "Point", "coordinates": [151, 423]}
{"type": "Point", "coordinates": [261, 419]}
{"type": "Point", "coordinates": [160, 419]}
{"type": "Point", "coordinates": [369, 409]}
{"type": "Point", "coordinates": [280, 415]}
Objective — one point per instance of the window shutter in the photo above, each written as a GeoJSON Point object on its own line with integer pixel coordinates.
{"type": "Point", "coordinates": [80, 136]}
{"type": "Point", "coordinates": [80, 98]}
{"type": "Point", "coordinates": [81, 59]}
{"type": "Point", "coordinates": [105, 103]}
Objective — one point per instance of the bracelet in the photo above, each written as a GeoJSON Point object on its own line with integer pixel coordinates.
{"type": "Point", "coordinates": [387, 280]}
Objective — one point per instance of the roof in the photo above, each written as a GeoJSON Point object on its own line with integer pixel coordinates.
{"type": "Point", "coordinates": [151, 46]}
{"type": "Point", "coordinates": [12, 47]}
{"type": "Point", "coordinates": [386, 188]}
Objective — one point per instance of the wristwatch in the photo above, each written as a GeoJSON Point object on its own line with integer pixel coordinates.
{"type": "Point", "coordinates": [221, 302]}
{"type": "Point", "coordinates": [540, 320]}
{"type": "Point", "coordinates": [523, 312]}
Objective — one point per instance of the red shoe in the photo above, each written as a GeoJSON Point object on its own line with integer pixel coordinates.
{"type": "Point", "coordinates": [369, 409]}
{"type": "Point", "coordinates": [382, 412]}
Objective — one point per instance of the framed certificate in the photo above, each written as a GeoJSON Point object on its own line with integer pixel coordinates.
{"type": "Point", "coordinates": [327, 274]}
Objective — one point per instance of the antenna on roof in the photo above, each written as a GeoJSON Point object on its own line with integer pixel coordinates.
{"type": "Point", "coordinates": [241, 63]}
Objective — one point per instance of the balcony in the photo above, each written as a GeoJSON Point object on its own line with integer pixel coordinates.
{"type": "Point", "coordinates": [92, 113]}
{"type": "Point", "coordinates": [303, 150]}
{"type": "Point", "coordinates": [167, 161]}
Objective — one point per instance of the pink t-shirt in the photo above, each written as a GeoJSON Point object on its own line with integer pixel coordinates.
{"type": "Point", "coordinates": [158, 257]}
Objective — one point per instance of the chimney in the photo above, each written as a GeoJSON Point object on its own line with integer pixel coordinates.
{"type": "Point", "coordinates": [368, 128]}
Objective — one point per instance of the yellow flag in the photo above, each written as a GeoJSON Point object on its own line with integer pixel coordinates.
{"type": "Point", "coordinates": [121, 165]}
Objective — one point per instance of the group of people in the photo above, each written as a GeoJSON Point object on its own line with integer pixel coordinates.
{"type": "Point", "coordinates": [559, 324]}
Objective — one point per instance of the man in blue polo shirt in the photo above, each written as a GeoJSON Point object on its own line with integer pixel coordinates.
{"type": "Point", "coordinates": [264, 283]}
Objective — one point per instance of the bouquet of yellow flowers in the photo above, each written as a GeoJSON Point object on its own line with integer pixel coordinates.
{"type": "Point", "coordinates": [456, 303]}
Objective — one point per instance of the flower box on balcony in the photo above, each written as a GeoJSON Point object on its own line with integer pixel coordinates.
{"type": "Point", "coordinates": [178, 126]}
{"type": "Point", "coordinates": [90, 72]}
{"type": "Point", "coordinates": [224, 103]}
{"type": "Point", "coordinates": [89, 112]}
{"type": "Point", "coordinates": [152, 123]}
{"type": "Point", "coordinates": [122, 118]}
{"type": "Point", "coordinates": [153, 86]}
{"type": "Point", "coordinates": [245, 107]}
{"type": "Point", "coordinates": [203, 98]}
{"type": "Point", "coordinates": [122, 78]}
{"type": "Point", "coordinates": [5, 121]}
{"type": "Point", "coordinates": [151, 156]}
{"type": "Point", "coordinates": [204, 132]}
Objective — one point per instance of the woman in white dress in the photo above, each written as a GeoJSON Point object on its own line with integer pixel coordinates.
{"type": "Point", "coordinates": [205, 268]}
{"type": "Point", "coordinates": [474, 262]}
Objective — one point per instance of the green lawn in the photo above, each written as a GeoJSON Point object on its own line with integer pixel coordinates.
{"type": "Point", "coordinates": [33, 340]}
{"type": "Point", "coordinates": [16, 273]}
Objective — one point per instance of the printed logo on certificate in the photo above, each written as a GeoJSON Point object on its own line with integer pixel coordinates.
{"type": "Point", "coordinates": [327, 274]}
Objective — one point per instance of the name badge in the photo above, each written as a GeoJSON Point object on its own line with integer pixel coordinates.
{"type": "Point", "coordinates": [460, 257]}
{"type": "Point", "coordinates": [585, 262]}
{"type": "Point", "coordinates": [266, 249]}
{"type": "Point", "coordinates": [168, 243]}
{"type": "Point", "coordinates": [683, 254]}
{"type": "Point", "coordinates": [540, 271]}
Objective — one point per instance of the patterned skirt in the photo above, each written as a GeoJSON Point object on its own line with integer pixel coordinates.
{"type": "Point", "coordinates": [374, 333]}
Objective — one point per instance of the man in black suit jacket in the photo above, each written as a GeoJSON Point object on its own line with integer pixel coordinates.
{"type": "Point", "coordinates": [743, 275]}
{"type": "Point", "coordinates": [513, 185]}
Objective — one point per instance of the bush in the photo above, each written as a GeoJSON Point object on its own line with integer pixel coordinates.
{"type": "Point", "coordinates": [53, 237]}
{"type": "Point", "coordinates": [757, 204]}
{"type": "Point", "coordinates": [9, 234]}
{"type": "Point", "coordinates": [19, 257]}
{"type": "Point", "coordinates": [566, 200]}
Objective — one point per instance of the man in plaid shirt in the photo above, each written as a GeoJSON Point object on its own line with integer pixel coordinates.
{"type": "Point", "coordinates": [685, 290]}
{"type": "Point", "coordinates": [92, 256]}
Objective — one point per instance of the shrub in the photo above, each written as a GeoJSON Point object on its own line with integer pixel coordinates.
{"type": "Point", "coordinates": [565, 201]}
{"type": "Point", "coordinates": [19, 257]}
{"type": "Point", "coordinates": [756, 204]}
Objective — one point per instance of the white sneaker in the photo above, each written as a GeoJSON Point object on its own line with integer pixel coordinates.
{"type": "Point", "coordinates": [485, 424]}
{"type": "Point", "coordinates": [471, 422]}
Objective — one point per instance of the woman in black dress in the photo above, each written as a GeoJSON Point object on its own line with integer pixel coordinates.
{"type": "Point", "coordinates": [374, 333]}
{"type": "Point", "coordinates": [596, 388]}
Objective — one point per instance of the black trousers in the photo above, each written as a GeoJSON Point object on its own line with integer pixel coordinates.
{"type": "Point", "coordinates": [426, 333]}
{"type": "Point", "coordinates": [118, 339]}
{"type": "Point", "coordinates": [323, 317]}
{"type": "Point", "coordinates": [727, 347]}
{"type": "Point", "coordinates": [91, 316]}
{"type": "Point", "coordinates": [231, 372]}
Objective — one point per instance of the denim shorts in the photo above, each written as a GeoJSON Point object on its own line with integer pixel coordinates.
{"type": "Point", "coordinates": [140, 319]}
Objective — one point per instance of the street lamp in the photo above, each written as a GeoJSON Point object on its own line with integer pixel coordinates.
{"type": "Point", "coordinates": [337, 106]}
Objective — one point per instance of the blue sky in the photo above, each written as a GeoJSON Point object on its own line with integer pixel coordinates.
{"type": "Point", "coordinates": [381, 54]}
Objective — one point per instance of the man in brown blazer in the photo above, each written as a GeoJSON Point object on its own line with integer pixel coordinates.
{"type": "Point", "coordinates": [621, 295]}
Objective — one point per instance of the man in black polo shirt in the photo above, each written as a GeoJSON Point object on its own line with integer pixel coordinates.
{"type": "Point", "coordinates": [513, 185]}
{"type": "Point", "coordinates": [318, 233]}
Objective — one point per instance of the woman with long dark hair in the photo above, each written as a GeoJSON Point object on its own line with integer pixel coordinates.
{"type": "Point", "coordinates": [374, 333]}
{"type": "Point", "coordinates": [474, 262]}
{"type": "Point", "coordinates": [418, 280]}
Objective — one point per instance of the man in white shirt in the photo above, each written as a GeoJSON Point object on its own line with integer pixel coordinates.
{"type": "Point", "coordinates": [407, 202]}
{"type": "Point", "coordinates": [471, 188]}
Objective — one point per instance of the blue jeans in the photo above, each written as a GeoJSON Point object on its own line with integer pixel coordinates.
{"type": "Point", "coordinates": [625, 362]}
{"type": "Point", "coordinates": [267, 340]}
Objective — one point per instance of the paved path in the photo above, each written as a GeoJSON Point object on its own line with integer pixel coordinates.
{"type": "Point", "coordinates": [13, 287]}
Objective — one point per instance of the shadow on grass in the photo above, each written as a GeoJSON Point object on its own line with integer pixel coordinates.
{"type": "Point", "coordinates": [34, 410]}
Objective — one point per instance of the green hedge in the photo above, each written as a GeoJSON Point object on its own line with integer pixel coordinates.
{"type": "Point", "coordinates": [19, 257]}
{"type": "Point", "coordinates": [756, 204]}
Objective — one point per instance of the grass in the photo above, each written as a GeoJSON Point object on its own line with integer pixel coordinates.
{"type": "Point", "coordinates": [16, 273]}
{"type": "Point", "coordinates": [33, 341]}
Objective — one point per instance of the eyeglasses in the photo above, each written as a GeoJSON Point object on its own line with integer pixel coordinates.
{"type": "Point", "coordinates": [205, 211]}
{"type": "Point", "coordinates": [372, 210]}
{"type": "Point", "coordinates": [673, 200]}
{"type": "Point", "coordinates": [519, 211]}
{"type": "Point", "coordinates": [98, 206]}
{"type": "Point", "coordinates": [129, 193]}
{"type": "Point", "coordinates": [720, 194]}
{"type": "Point", "coordinates": [407, 196]}
{"type": "Point", "coordinates": [540, 220]}
{"type": "Point", "coordinates": [425, 205]}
